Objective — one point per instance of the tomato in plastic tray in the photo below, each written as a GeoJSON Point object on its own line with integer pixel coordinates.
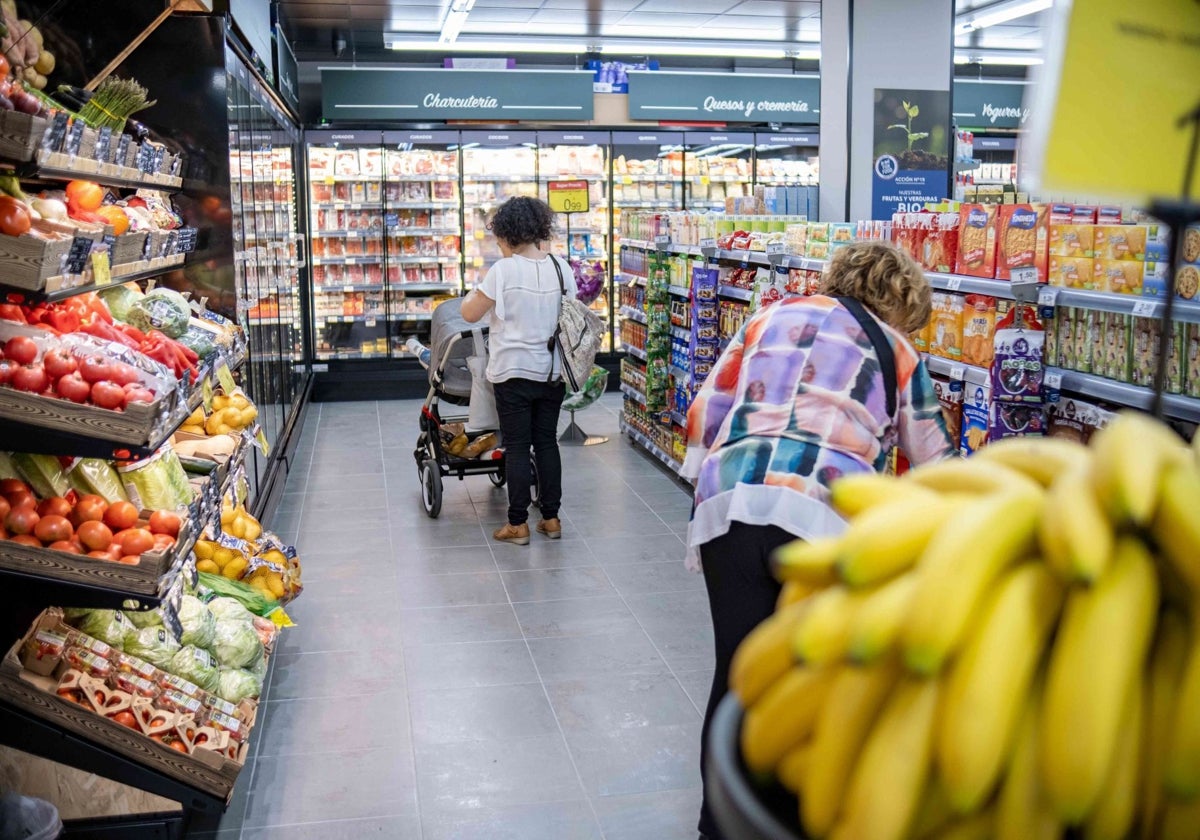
{"type": "Point", "coordinates": [217, 704]}
{"type": "Point", "coordinates": [42, 647]}
{"type": "Point", "coordinates": [170, 682]}
{"type": "Point", "coordinates": [133, 684]}
{"type": "Point", "coordinates": [77, 639]}
{"type": "Point", "coordinates": [176, 701]}
{"type": "Point", "coordinates": [88, 662]}
{"type": "Point", "coordinates": [227, 723]}
{"type": "Point", "coordinates": [129, 664]}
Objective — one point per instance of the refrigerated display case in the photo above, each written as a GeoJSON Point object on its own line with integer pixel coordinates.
{"type": "Point", "coordinates": [583, 237]}
{"type": "Point", "coordinates": [496, 165]}
{"type": "Point", "coordinates": [789, 160]}
{"type": "Point", "coordinates": [423, 230]}
{"type": "Point", "coordinates": [717, 166]}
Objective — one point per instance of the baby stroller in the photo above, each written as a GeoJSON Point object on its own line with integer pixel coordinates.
{"type": "Point", "coordinates": [452, 343]}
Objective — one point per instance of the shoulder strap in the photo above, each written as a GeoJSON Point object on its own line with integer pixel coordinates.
{"type": "Point", "coordinates": [883, 349]}
{"type": "Point", "coordinates": [562, 284]}
{"type": "Point", "coordinates": [554, 344]}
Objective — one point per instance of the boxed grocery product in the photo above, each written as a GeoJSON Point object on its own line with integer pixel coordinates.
{"type": "Point", "coordinates": [975, 417]}
{"type": "Point", "coordinates": [1120, 276]}
{"type": "Point", "coordinates": [1062, 214]}
{"type": "Point", "coordinates": [947, 321]}
{"type": "Point", "coordinates": [1021, 239]}
{"type": "Point", "coordinates": [949, 393]}
{"type": "Point", "coordinates": [1191, 245]}
{"type": "Point", "coordinates": [1070, 272]}
{"type": "Point", "coordinates": [979, 329]}
{"type": "Point", "coordinates": [1191, 366]}
{"type": "Point", "coordinates": [1064, 322]}
{"type": "Point", "coordinates": [1084, 214]}
{"type": "Point", "coordinates": [1070, 240]}
{"type": "Point", "coordinates": [1016, 420]}
{"type": "Point", "coordinates": [842, 231]}
{"type": "Point", "coordinates": [1144, 351]}
{"type": "Point", "coordinates": [1154, 279]}
{"type": "Point", "coordinates": [1071, 419]}
{"type": "Point", "coordinates": [1158, 242]}
{"type": "Point", "coordinates": [977, 240]}
{"type": "Point", "coordinates": [1116, 336]}
{"type": "Point", "coordinates": [1121, 242]}
{"type": "Point", "coordinates": [1086, 331]}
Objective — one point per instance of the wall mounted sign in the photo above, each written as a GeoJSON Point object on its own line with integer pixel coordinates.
{"type": "Point", "coordinates": [397, 93]}
{"type": "Point", "coordinates": [366, 138]}
{"type": "Point", "coordinates": [912, 139]}
{"type": "Point", "coordinates": [573, 138]}
{"type": "Point", "coordinates": [420, 138]}
{"type": "Point", "coordinates": [499, 138]}
{"type": "Point", "coordinates": [996, 144]}
{"type": "Point", "coordinates": [647, 138]}
{"type": "Point", "coordinates": [721, 138]}
{"type": "Point", "coordinates": [804, 140]}
{"type": "Point", "coordinates": [979, 104]}
{"type": "Point", "coordinates": [567, 196]}
{"type": "Point", "coordinates": [724, 97]}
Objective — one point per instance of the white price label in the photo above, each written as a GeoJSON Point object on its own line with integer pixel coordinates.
{"type": "Point", "coordinates": [1054, 380]}
{"type": "Point", "coordinates": [369, 322]}
{"type": "Point", "coordinates": [776, 248]}
{"type": "Point", "coordinates": [663, 240]}
{"type": "Point", "coordinates": [1144, 308]}
{"type": "Point", "coordinates": [352, 234]}
{"type": "Point", "coordinates": [1027, 274]}
{"type": "Point", "coordinates": [347, 288]}
{"type": "Point", "coordinates": [954, 284]}
{"type": "Point", "coordinates": [1047, 297]}
{"type": "Point", "coordinates": [747, 255]}
{"type": "Point", "coordinates": [708, 243]}
{"type": "Point", "coordinates": [958, 372]}
{"type": "Point", "coordinates": [349, 260]}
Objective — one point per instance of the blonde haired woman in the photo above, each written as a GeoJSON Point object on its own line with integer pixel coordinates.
{"type": "Point", "coordinates": [811, 389]}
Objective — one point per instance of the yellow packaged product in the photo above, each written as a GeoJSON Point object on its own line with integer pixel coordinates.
{"type": "Point", "coordinates": [947, 326]}
{"type": "Point", "coordinates": [1120, 276]}
{"type": "Point", "coordinates": [979, 330]}
{"type": "Point", "coordinates": [1121, 242]}
{"type": "Point", "coordinates": [1071, 272]}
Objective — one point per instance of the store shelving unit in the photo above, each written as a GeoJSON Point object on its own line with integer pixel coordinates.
{"type": "Point", "coordinates": [496, 165]}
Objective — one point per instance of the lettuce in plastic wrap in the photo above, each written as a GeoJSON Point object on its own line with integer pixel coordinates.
{"type": "Point", "coordinates": [144, 618]}
{"type": "Point", "coordinates": [91, 475]}
{"type": "Point", "coordinates": [236, 644]}
{"type": "Point", "coordinates": [195, 664]}
{"type": "Point", "coordinates": [236, 684]}
{"type": "Point", "coordinates": [154, 644]}
{"type": "Point", "coordinates": [199, 625]}
{"type": "Point", "coordinates": [157, 483]}
{"type": "Point", "coordinates": [229, 609]}
{"type": "Point", "coordinates": [109, 626]}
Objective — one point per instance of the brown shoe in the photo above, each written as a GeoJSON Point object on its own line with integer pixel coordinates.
{"type": "Point", "coordinates": [551, 528]}
{"type": "Point", "coordinates": [515, 534]}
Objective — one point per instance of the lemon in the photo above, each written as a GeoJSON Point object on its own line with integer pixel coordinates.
{"type": "Point", "coordinates": [207, 566]}
{"type": "Point", "coordinates": [236, 568]}
{"type": "Point", "coordinates": [204, 549]}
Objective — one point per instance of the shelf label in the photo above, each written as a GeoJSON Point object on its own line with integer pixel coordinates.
{"type": "Point", "coordinates": [958, 372]}
{"type": "Point", "coordinates": [369, 322]}
{"type": "Point", "coordinates": [775, 248]}
{"type": "Point", "coordinates": [77, 257]}
{"type": "Point", "coordinates": [101, 270]}
{"type": "Point", "coordinates": [567, 196]}
{"type": "Point", "coordinates": [74, 138]}
{"type": "Point", "coordinates": [1047, 297]}
{"type": "Point", "coordinates": [708, 243]}
{"type": "Point", "coordinates": [954, 284]}
{"type": "Point", "coordinates": [145, 156]}
{"type": "Point", "coordinates": [122, 149]}
{"type": "Point", "coordinates": [1053, 380]}
{"type": "Point", "coordinates": [156, 161]}
{"type": "Point", "coordinates": [56, 132]}
{"type": "Point", "coordinates": [349, 260]}
{"type": "Point", "coordinates": [206, 393]}
{"type": "Point", "coordinates": [187, 239]}
{"type": "Point", "coordinates": [662, 240]}
{"type": "Point", "coordinates": [1144, 308]}
{"type": "Point", "coordinates": [347, 289]}
{"type": "Point", "coordinates": [225, 377]}
{"type": "Point", "coordinates": [104, 144]}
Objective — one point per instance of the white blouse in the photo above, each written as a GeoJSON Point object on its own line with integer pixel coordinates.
{"type": "Point", "coordinates": [525, 316]}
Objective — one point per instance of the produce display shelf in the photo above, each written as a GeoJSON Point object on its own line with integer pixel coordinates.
{"type": "Point", "coordinates": [57, 173]}
{"type": "Point", "coordinates": [679, 291]}
{"type": "Point", "coordinates": [140, 270]}
{"type": "Point", "coordinates": [1147, 307]}
{"type": "Point", "coordinates": [956, 370]}
{"type": "Point", "coordinates": [651, 447]}
{"type": "Point", "coordinates": [630, 391]}
{"type": "Point", "coordinates": [1097, 387]}
{"type": "Point", "coordinates": [636, 352]}
{"type": "Point", "coordinates": [734, 293]}
{"type": "Point", "coordinates": [633, 314]}
{"type": "Point", "coordinates": [681, 333]}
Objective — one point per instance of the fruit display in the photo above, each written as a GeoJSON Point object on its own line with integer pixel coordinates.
{"type": "Point", "coordinates": [230, 415]}
{"type": "Point", "coordinates": [1003, 647]}
{"type": "Point", "coordinates": [245, 552]}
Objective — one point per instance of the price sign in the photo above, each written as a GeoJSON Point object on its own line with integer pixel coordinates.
{"type": "Point", "coordinates": [954, 284]}
{"type": "Point", "coordinates": [206, 393]}
{"type": "Point", "coordinates": [958, 372]}
{"type": "Point", "coordinates": [350, 261]}
{"type": "Point", "coordinates": [56, 132]}
{"type": "Point", "coordinates": [776, 248]}
{"type": "Point", "coordinates": [369, 322]}
{"type": "Point", "coordinates": [146, 248]}
{"type": "Point", "coordinates": [104, 144]}
{"type": "Point", "coordinates": [157, 160]}
{"type": "Point", "coordinates": [1024, 282]}
{"type": "Point", "coordinates": [145, 156]}
{"type": "Point", "coordinates": [109, 241]}
{"type": "Point", "coordinates": [708, 243]}
{"type": "Point", "coordinates": [171, 245]}
{"type": "Point", "coordinates": [1053, 380]}
{"type": "Point", "coordinates": [74, 138]}
{"type": "Point", "coordinates": [225, 377]}
{"type": "Point", "coordinates": [1047, 297]}
{"type": "Point", "coordinates": [1144, 308]}
{"type": "Point", "coordinates": [567, 196]}
{"type": "Point", "coordinates": [170, 608]}
{"type": "Point", "coordinates": [662, 241]}
{"type": "Point", "coordinates": [77, 257]}
{"type": "Point", "coordinates": [187, 239]}
{"type": "Point", "coordinates": [122, 150]}
{"type": "Point", "coordinates": [391, 219]}
{"type": "Point", "coordinates": [101, 270]}
{"type": "Point", "coordinates": [352, 234]}
{"type": "Point", "coordinates": [190, 574]}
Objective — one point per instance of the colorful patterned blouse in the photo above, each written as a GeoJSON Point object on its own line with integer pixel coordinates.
{"type": "Point", "coordinates": [795, 401]}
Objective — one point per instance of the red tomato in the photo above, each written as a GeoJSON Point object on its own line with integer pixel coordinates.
{"type": "Point", "coordinates": [95, 368]}
{"type": "Point", "coordinates": [14, 217]}
{"type": "Point", "coordinates": [21, 499]}
{"type": "Point", "coordinates": [5, 507]}
{"type": "Point", "coordinates": [120, 515]}
{"type": "Point", "coordinates": [99, 555]}
{"type": "Point", "coordinates": [178, 746]}
{"type": "Point", "coordinates": [125, 718]}
{"type": "Point", "coordinates": [135, 541]}
{"type": "Point", "coordinates": [68, 546]}
{"type": "Point", "coordinates": [85, 195]}
{"type": "Point", "coordinates": [72, 694]}
{"type": "Point", "coordinates": [89, 508]}
{"type": "Point", "coordinates": [27, 539]}
{"type": "Point", "coordinates": [73, 388]}
{"type": "Point", "coordinates": [163, 542]}
{"type": "Point", "coordinates": [123, 374]}
{"type": "Point", "coordinates": [165, 522]}
{"type": "Point", "coordinates": [21, 520]}
{"type": "Point", "coordinates": [21, 349]}
{"type": "Point", "coordinates": [107, 394]}
{"type": "Point", "coordinates": [129, 559]}
{"type": "Point", "coordinates": [11, 485]}
{"type": "Point", "coordinates": [96, 536]}
{"type": "Point", "coordinates": [53, 528]}
{"type": "Point", "coordinates": [138, 395]}
{"type": "Point", "coordinates": [7, 368]}
{"type": "Point", "coordinates": [59, 363]}
{"type": "Point", "coordinates": [30, 378]}
{"type": "Point", "coordinates": [54, 505]}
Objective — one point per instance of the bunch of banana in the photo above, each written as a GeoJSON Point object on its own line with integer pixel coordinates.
{"type": "Point", "coordinates": [1004, 647]}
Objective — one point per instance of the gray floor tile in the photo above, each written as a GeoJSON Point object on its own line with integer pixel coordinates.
{"type": "Point", "coordinates": [407, 827]}
{"type": "Point", "coordinates": [349, 523]}
{"type": "Point", "coordinates": [474, 774]}
{"type": "Point", "coordinates": [448, 716]}
{"type": "Point", "coordinates": [345, 545]}
{"type": "Point", "coordinates": [346, 785]}
{"type": "Point", "coordinates": [649, 578]}
{"type": "Point", "coordinates": [632, 524]}
{"type": "Point", "coordinates": [469, 664]}
{"type": "Point", "coordinates": [454, 590]}
{"type": "Point", "coordinates": [364, 621]}
{"type": "Point", "coordinates": [441, 561]}
{"type": "Point", "coordinates": [345, 474]}
{"type": "Point", "coordinates": [445, 533]}
{"type": "Point", "coordinates": [328, 464]}
{"type": "Point", "coordinates": [337, 724]}
{"type": "Point", "coordinates": [637, 760]}
{"type": "Point", "coordinates": [433, 625]}
{"type": "Point", "coordinates": [542, 553]}
{"type": "Point", "coordinates": [648, 548]}
{"type": "Point", "coordinates": [547, 821]}
{"type": "Point", "coordinates": [556, 584]}
{"type": "Point", "coordinates": [650, 816]}
{"type": "Point", "coordinates": [608, 704]}
{"type": "Point", "coordinates": [697, 684]}
{"type": "Point", "coordinates": [333, 674]}
{"type": "Point", "coordinates": [569, 657]}
{"type": "Point", "coordinates": [577, 617]}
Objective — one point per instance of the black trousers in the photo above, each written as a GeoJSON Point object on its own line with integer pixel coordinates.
{"type": "Point", "coordinates": [742, 592]}
{"type": "Point", "coordinates": [528, 412]}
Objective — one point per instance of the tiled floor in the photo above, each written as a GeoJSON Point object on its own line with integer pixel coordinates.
{"type": "Point", "coordinates": [443, 686]}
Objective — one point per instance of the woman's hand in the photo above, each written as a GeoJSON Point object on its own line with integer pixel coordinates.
{"type": "Point", "coordinates": [476, 305]}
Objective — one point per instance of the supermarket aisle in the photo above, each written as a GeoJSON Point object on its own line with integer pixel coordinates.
{"type": "Point", "coordinates": [440, 686]}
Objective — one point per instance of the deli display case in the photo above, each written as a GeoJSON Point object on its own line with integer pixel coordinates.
{"type": "Point", "coordinates": [496, 165]}
{"type": "Point", "coordinates": [789, 160]}
{"type": "Point", "coordinates": [717, 166]}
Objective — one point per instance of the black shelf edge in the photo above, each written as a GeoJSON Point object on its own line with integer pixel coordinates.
{"type": "Point", "coordinates": [72, 291]}
{"type": "Point", "coordinates": [55, 173]}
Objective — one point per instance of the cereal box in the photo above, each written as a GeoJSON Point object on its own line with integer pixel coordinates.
{"type": "Point", "coordinates": [1158, 242]}
{"type": "Point", "coordinates": [1191, 360]}
{"type": "Point", "coordinates": [1068, 240]}
{"type": "Point", "coordinates": [979, 327]}
{"type": "Point", "coordinates": [1121, 242]}
{"type": "Point", "coordinates": [1021, 240]}
{"type": "Point", "coordinates": [1191, 245]}
{"type": "Point", "coordinates": [1013, 420]}
{"type": "Point", "coordinates": [949, 393]}
{"type": "Point", "coordinates": [1154, 279]}
{"type": "Point", "coordinates": [977, 240]}
{"type": "Point", "coordinates": [1120, 276]}
{"type": "Point", "coordinates": [1084, 214]}
{"type": "Point", "coordinates": [946, 340]}
{"type": "Point", "coordinates": [1071, 272]}
{"type": "Point", "coordinates": [1062, 214]}
{"type": "Point", "coordinates": [975, 417]}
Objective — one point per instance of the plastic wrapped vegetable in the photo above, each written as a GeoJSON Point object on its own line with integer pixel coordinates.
{"type": "Point", "coordinates": [109, 626]}
{"type": "Point", "coordinates": [144, 618]}
{"type": "Point", "coordinates": [199, 625]}
{"type": "Point", "coordinates": [235, 685]}
{"type": "Point", "coordinates": [236, 644]}
{"type": "Point", "coordinates": [154, 644]}
{"type": "Point", "coordinates": [120, 299]}
{"type": "Point", "coordinates": [91, 475]}
{"type": "Point", "coordinates": [157, 483]}
{"type": "Point", "coordinates": [259, 669]}
{"type": "Point", "coordinates": [162, 309]}
{"type": "Point", "coordinates": [229, 609]}
{"type": "Point", "coordinates": [196, 665]}
{"type": "Point", "coordinates": [43, 473]}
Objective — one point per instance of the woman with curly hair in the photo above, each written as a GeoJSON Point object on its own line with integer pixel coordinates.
{"type": "Point", "coordinates": [522, 292]}
{"type": "Point", "coordinates": [811, 389]}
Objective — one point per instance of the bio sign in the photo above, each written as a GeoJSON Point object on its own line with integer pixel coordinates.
{"type": "Point", "coordinates": [911, 160]}
{"type": "Point", "coordinates": [724, 97]}
{"type": "Point", "coordinates": [396, 94]}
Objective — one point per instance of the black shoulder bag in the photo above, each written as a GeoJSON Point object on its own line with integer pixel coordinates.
{"type": "Point", "coordinates": [883, 349]}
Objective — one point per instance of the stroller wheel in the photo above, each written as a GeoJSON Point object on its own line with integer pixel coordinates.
{"type": "Point", "coordinates": [431, 488]}
{"type": "Point", "coordinates": [498, 478]}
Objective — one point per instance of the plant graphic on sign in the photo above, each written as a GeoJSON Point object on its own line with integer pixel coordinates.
{"type": "Point", "coordinates": [912, 112]}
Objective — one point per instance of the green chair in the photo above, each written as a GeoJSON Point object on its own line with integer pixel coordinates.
{"type": "Point", "coordinates": [593, 389]}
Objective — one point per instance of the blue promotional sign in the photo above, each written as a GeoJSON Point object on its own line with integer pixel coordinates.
{"type": "Point", "coordinates": [911, 165]}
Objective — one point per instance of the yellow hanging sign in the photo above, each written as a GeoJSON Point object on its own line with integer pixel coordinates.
{"type": "Point", "coordinates": [568, 196]}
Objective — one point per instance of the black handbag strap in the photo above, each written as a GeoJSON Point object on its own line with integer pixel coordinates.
{"type": "Point", "coordinates": [883, 349]}
{"type": "Point", "coordinates": [554, 341]}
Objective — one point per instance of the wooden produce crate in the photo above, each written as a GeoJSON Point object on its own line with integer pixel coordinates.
{"type": "Point", "coordinates": [20, 135]}
{"type": "Point", "coordinates": [29, 263]}
{"type": "Point", "coordinates": [129, 248]}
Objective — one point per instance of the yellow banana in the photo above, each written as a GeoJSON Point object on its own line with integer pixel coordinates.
{"type": "Point", "coordinates": [878, 619]}
{"type": "Point", "coordinates": [1113, 815]}
{"type": "Point", "coordinates": [807, 561]}
{"type": "Point", "coordinates": [893, 767]}
{"type": "Point", "coordinates": [1097, 655]}
{"type": "Point", "coordinates": [974, 827]}
{"type": "Point", "coordinates": [1181, 820]}
{"type": "Point", "coordinates": [860, 492]}
{"type": "Point", "coordinates": [962, 559]}
{"type": "Point", "coordinates": [783, 718]}
{"type": "Point", "coordinates": [972, 476]}
{"type": "Point", "coordinates": [1176, 526]}
{"type": "Point", "coordinates": [885, 541]}
{"type": "Point", "coordinates": [850, 708]}
{"type": "Point", "coordinates": [1077, 537]}
{"type": "Point", "coordinates": [764, 655]}
{"type": "Point", "coordinates": [1022, 812]}
{"type": "Point", "coordinates": [823, 634]}
{"type": "Point", "coordinates": [1042, 459]}
{"type": "Point", "coordinates": [1162, 682]}
{"type": "Point", "coordinates": [793, 768]}
{"type": "Point", "coordinates": [1183, 751]}
{"type": "Point", "coordinates": [1130, 456]}
{"type": "Point", "coordinates": [934, 812]}
{"type": "Point", "coordinates": [987, 686]}
{"type": "Point", "coordinates": [793, 592]}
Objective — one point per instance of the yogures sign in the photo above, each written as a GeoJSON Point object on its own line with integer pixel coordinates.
{"type": "Point", "coordinates": [395, 93]}
{"type": "Point", "coordinates": [979, 104]}
{"type": "Point", "coordinates": [724, 97]}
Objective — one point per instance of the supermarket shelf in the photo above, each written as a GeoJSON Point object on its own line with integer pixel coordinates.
{"type": "Point", "coordinates": [271, 322]}
{"type": "Point", "coordinates": [351, 287]}
{"type": "Point", "coordinates": [681, 333]}
{"type": "Point", "coordinates": [348, 205]}
{"type": "Point", "coordinates": [408, 179]}
{"type": "Point", "coordinates": [423, 205]}
{"type": "Point", "coordinates": [956, 370]}
{"type": "Point", "coordinates": [359, 259]}
{"type": "Point", "coordinates": [652, 448]}
{"type": "Point", "coordinates": [566, 177]}
{"type": "Point", "coordinates": [54, 173]}
{"type": "Point", "coordinates": [636, 352]}
{"type": "Point", "coordinates": [633, 314]}
{"type": "Point", "coordinates": [411, 316]}
{"type": "Point", "coordinates": [162, 265]}
{"type": "Point", "coordinates": [680, 291]}
{"type": "Point", "coordinates": [806, 263]}
{"type": "Point", "coordinates": [372, 233]}
{"type": "Point", "coordinates": [369, 320]}
{"type": "Point", "coordinates": [424, 287]}
{"type": "Point", "coordinates": [648, 205]}
{"type": "Point", "coordinates": [679, 373]}
{"type": "Point", "coordinates": [483, 178]}
{"type": "Point", "coordinates": [635, 279]}
{"type": "Point", "coordinates": [1183, 310]}
{"type": "Point", "coordinates": [630, 391]}
{"type": "Point", "coordinates": [970, 285]}
{"type": "Point", "coordinates": [444, 260]}
{"type": "Point", "coordinates": [734, 293]}
{"type": "Point", "coordinates": [403, 232]}
{"type": "Point", "coordinates": [678, 418]}
{"type": "Point", "coordinates": [646, 179]}
{"type": "Point", "coordinates": [1097, 387]}
{"type": "Point", "coordinates": [340, 355]}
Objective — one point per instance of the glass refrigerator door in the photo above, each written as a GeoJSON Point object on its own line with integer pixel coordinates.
{"type": "Point", "coordinates": [788, 163]}
{"type": "Point", "coordinates": [718, 167]}
{"type": "Point", "coordinates": [349, 305]}
{"type": "Point", "coordinates": [582, 237]}
{"type": "Point", "coordinates": [496, 166]}
{"type": "Point", "coordinates": [423, 230]}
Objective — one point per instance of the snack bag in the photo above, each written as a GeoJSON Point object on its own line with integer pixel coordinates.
{"type": "Point", "coordinates": [1191, 360]}
{"type": "Point", "coordinates": [979, 325]}
{"type": "Point", "coordinates": [1017, 368]}
{"type": "Point", "coordinates": [1016, 420]}
{"type": "Point", "coordinates": [1144, 351]}
{"type": "Point", "coordinates": [950, 394]}
{"type": "Point", "coordinates": [1071, 419]}
{"type": "Point", "coordinates": [977, 240]}
{"type": "Point", "coordinates": [975, 417]}
{"type": "Point", "coordinates": [947, 321]}
{"type": "Point", "coordinates": [1115, 339]}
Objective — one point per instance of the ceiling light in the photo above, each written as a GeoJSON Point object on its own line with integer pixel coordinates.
{"type": "Point", "coordinates": [452, 25]}
{"type": "Point", "coordinates": [608, 46]}
{"type": "Point", "coordinates": [1011, 59]}
{"type": "Point", "coordinates": [998, 13]}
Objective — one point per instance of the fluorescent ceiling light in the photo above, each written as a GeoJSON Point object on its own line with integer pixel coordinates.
{"type": "Point", "coordinates": [998, 13]}
{"type": "Point", "coordinates": [484, 46]}
{"type": "Point", "coordinates": [455, 18]}
{"type": "Point", "coordinates": [608, 46]}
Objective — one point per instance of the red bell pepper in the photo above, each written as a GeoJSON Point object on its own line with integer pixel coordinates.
{"type": "Point", "coordinates": [12, 312]}
{"type": "Point", "coordinates": [64, 320]}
